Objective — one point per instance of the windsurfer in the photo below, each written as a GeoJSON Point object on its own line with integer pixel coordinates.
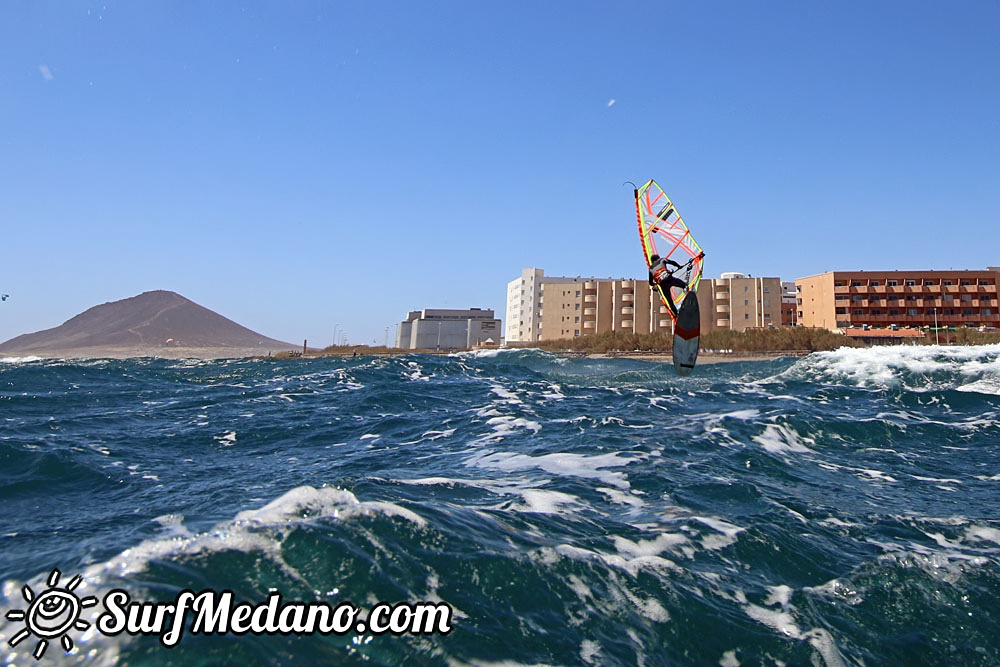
{"type": "Point", "coordinates": [660, 274]}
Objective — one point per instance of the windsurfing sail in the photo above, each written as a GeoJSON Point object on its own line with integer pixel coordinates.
{"type": "Point", "coordinates": [663, 232]}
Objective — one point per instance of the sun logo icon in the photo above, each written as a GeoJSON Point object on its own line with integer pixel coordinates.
{"type": "Point", "coordinates": [51, 614]}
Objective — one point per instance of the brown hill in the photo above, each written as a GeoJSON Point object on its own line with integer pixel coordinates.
{"type": "Point", "coordinates": [157, 323]}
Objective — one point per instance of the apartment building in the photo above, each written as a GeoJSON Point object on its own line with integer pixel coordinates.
{"type": "Point", "coordinates": [789, 307]}
{"type": "Point", "coordinates": [842, 299]}
{"type": "Point", "coordinates": [447, 329]}
{"type": "Point", "coordinates": [524, 303]}
{"type": "Point", "coordinates": [593, 306]}
{"type": "Point", "coordinates": [549, 308]}
{"type": "Point", "coordinates": [738, 302]}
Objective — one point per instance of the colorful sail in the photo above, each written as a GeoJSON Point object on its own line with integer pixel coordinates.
{"type": "Point", "coordinates": [663, 232]}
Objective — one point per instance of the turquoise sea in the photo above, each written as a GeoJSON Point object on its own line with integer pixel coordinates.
{"type": "Point", "coordinates": [836, 509]}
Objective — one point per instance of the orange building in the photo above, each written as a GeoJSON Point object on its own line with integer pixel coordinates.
{"type": "Point", "coordinates": [842, 299]}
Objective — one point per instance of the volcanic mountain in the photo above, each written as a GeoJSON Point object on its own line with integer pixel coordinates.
{"type": "Point", "coordinates": [158, 323]}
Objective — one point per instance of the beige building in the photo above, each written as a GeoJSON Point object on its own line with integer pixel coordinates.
{"type": "Point", "coordinates": [524, 304]}
{"type": "Point", "coordinates": [590, 306]}
{"type": "Point", "coordinates": [842, 299]}
{"type": "Point", "coordinates": [550, 308]}
{"type": "Point", "coordinates": [739, 302]}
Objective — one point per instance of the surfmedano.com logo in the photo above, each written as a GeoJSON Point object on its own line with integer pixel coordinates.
{"type": "Point", "coordinates": [55, 611]}
{"type": "Point", "coordinates": [51, 614]}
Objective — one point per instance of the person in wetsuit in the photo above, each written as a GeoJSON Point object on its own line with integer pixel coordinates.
{"type": "Point", "coordinates": [661, 274]}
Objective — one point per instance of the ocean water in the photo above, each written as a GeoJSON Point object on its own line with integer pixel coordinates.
{"type": "Point", "coordinates": [841, 508]}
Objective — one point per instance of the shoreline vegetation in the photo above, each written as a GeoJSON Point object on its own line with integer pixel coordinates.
{"type": "Point", "coordinates": [715, 345]}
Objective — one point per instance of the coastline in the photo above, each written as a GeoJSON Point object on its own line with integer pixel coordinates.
{"type": "Point", "coordinates": [704, 358]}
{"type": "Point", "coordinates": [207, 353]}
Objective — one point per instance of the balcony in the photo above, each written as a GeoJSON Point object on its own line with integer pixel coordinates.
{"type": "Point", "coordinates": [722, 308]}
{"type": "Point", "coordinates": [628, 310]}
{"type": "Point", "coordinates": [626, 284]}
{"type": "Point", "coordinates": [589, 311]}
{"type": "Point", "coordinates": [590, 284]}
{"type": "Point", "coordinates": [589, 325]}
{"type": "Point", "coordinates": [590, 298]}
{"type": "Point", "coordinates": [628, 297]}
{"type": "Point", "coordinates": [722, 296]}
{"type": "Point", "coordinates": [663, 324]}
{"type": "Point", "coordinates": [627, 324]}
{"type": "Point", "coordinates": [841, 290]}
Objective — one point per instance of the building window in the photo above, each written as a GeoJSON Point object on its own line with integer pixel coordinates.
{"type": "Point", "coordinates": [929, 282]}
{"type": "Point", "coordinates": [912, 311]}
{"type": "Point", "coordinates": [767, 303]}
{"type": "Point", "coordinates": [800, 313]}
{"type": "Point", "coordinates": [894, 311]}
{"type": "Point", "coordinates": [987, 311]}
{"type": "Point", "coordinates": [876, 311]}
{"type": "Point", "coordinates": [947, 282]}
{"type": "Point", "coordinates": [968, 311]}
{"type": "Point", "coordinates": [577, 307]}
{"type": "Point", "coordinates": [578, 292]}
{"type": "Point", "coordinates": [892, 283]}
{"type": "Point", "coordinates": [746, 316]}
{"type": "Point", "coordinates": [966, 282]}
{"type": "Point", "coordinates": [767, 290]}
{"type": "Point", "coordinates": [874, 283]}
{"type": "Point", "coordinates": [855, 283]}
{"type": "Point", "coordinates": [910, 283]}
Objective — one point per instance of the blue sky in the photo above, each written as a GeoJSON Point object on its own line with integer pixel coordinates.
{"type": "Point", "coordinates": [302, 167]}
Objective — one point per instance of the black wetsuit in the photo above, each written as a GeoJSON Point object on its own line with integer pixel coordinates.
{"type": "Point", "coordinates": [667, 280]}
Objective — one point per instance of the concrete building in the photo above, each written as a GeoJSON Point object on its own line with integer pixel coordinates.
{"type": "Point", "coordinates": [524, 304]}
{"type": "Point", "coordinates": [788, 303]}
{"type": "Point", "coordinates": [738, 302]}
{"type": "Point", "coordinates": [592, 306]}
{"type": "Point", "coordinates": [443, 329]}
{"type": "Point", "coordinates": [550, 308]}
{"type": "Point", "coordinates": [896, 299]}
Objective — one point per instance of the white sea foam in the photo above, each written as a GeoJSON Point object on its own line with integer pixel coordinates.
{"type": "Point", "coordinates": [565, 464]}
{"type": "Point", "coordinates": [729, 659]}
{"type": "Point", "coordinates": [227, 439]}
{"type": "Point", "coordinates": [983, 533]}
{"type": "Point", "coordinates": [728, 532]}
{"type": "Point", "coordinates": [541, 501]}
{"type": "Point", "coordinates": [886, 365]}
{"type": "Point", "coordinates": [18, 360]}
{"type": "Point", "coordinates": [778, 439]}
